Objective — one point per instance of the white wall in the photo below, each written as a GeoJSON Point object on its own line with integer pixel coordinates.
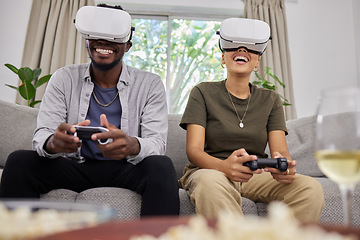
{"type": "Point", "coordinates": [356, 8]}
{"type": "Point", "coordinates": [322, 48]}
{"type": "Point", "coordinates": [322, 36]}
{"type": "Point", "coordinates": [14, 17]}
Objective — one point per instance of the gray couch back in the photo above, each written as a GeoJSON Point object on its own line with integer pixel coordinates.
{"type": "Point", "coordinates": [300, 142]}
{"type": "Point", "coordinates": [18, 123]}
{"type": "Point", "coordinates": [17, 126]}
{"type": "Point", "coordinates": [176, 144]}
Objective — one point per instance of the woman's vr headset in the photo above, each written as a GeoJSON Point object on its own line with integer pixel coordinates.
{"type": "Point", "coordinates": [113, 25]}
{"type": "Point", "coordinates": [242, 32]}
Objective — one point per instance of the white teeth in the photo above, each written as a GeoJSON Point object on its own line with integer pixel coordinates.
{"type": "Point", "coordinates": [104, 51]}
{"type": "Point", "coordinates": [237, 58]}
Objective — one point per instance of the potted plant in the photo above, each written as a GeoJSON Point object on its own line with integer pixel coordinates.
{"type": "Point", "coordinates": [29, 82]}
{"type": "Point", "coordinates": [262, 82]}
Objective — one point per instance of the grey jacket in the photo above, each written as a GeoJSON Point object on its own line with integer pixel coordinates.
{"type": "Point", "coordinates": [142, 97]}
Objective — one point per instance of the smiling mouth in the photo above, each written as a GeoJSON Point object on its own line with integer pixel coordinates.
{"type": "Point", "coordinates": [241, 59]}
{"type": "Point", "coordinates": [104, 51]}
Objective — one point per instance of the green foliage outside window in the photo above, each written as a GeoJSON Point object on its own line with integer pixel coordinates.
{"type": "Point", "coordinates": [194, 55]}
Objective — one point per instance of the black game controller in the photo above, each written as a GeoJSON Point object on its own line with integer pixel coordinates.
{"type": "Point", "coordinates": [85, 132]}
{"type": "Point", "coordinates": [279, 163]}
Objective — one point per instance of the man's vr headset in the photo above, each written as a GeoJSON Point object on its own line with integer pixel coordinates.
{"type": "Point", "coordinates": [241, 32]}
{"type": "Point", "coordinates": [113, 25]}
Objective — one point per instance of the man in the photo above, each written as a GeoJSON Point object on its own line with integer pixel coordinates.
{"type": "Point", "coordinates": [128, 102]}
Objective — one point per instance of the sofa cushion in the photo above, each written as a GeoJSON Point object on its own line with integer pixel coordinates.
{"type": "Point", "coordinates": [22, 120]}
{"type": "Point", "coordinates": [126, 202]}
{"type": "Point", "coordinates": [60, 195]}
{"type": "Point", "coordinates": [186, 207]}
{"type": "Point", "coordinates": [300, 142]}
{"type": "Point", "coordinates": [333, 211]}
{"type": "Point", "coordinates": [176, 144]}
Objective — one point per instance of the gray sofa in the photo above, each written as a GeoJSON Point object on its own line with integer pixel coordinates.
{"type": "Point", "coordinates": [18, 122]}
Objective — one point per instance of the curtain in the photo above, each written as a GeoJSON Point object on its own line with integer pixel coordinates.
{"type": "Point", "coordinates": [277, 55]}
{"type": "Point", "coordinates": [52, 40]}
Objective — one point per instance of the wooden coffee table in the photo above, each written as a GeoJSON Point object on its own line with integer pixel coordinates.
{"type": "Point", "coordinates": [123, 230]}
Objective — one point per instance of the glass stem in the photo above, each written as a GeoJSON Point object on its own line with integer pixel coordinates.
{"type": "Point", "coordinates": [347, 195]}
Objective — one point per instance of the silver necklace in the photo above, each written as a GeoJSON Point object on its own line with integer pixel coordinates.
{"type": "Point", "coordinates": [241, 124]}
{"type": "Point", "coordinates": [105, 105]}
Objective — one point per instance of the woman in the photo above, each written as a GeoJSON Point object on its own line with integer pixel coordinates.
{"type": "Point", "coordinates": [229, 123]}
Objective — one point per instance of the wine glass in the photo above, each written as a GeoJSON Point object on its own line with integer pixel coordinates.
{"type": "Point", "coordinates": [337, 141]}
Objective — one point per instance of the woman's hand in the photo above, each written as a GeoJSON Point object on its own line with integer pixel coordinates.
{"type": "Point", "coordinates": [235, 170]}
{"type": "Point", "coordinates": [284, 177]}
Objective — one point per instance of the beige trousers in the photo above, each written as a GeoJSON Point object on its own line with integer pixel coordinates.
{"type": "Point", "coordinates": [211, 192]}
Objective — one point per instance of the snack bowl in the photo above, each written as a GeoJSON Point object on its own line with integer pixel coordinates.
{"type": "Point", "coordinates": [33, 218]}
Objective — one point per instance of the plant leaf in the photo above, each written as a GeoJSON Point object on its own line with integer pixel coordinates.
{"type": "Point", "coordinates": [286, 104]}
{"type": "Point", "coordinates": [26, 74]}
{"type": "Point", "coordinates": [257, 75]}
{"type": "Point", "coordinates": [10, 86]}
{"type": "Point", "coordinates": [42, 80]}
{"type": "Point", "coordinates": [27, 91]}
{"type": "Point", "coordinates": [267, 70]}
{"type": "Point", "coordinates": [32, 104]}
{"type": "Point", "coordinates": [12, 68]}
{"type": "Point", "coordinates": [37, 73]}
{"type": "Point", "coordinates": [277, 79]}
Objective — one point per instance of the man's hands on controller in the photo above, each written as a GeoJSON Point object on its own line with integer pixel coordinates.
{"type": "Point", "coordinates": [122, 145]}
{"type": "Point", "coordinates": [61, 142]}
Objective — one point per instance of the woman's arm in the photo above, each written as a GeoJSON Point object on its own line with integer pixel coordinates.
{"type": "Point", "coordinates": [278, 148]}
{"type": "Point", "coordinates": [277, 144]}
{"type": "Point", "coordinates": [195, 142]}
{"type": "Point", "coordinates": [232, 166]}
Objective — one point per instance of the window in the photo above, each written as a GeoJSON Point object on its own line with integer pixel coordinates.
{"type": "Point", "coordinates": [183, 52]}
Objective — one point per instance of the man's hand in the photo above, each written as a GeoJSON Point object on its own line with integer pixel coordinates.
{"type": "Point", "coordinates": [234, 168]}
{"type": "Point", "coordinates": [284, 177]}
{"type": "Point", "coordinates": [61, 142]}
{"type": "Point", "coordinates": [122, 145]}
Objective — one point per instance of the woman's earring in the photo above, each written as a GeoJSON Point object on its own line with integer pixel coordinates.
{"type": "Point", "coordinates": [256, 69]}
{"type": "Point", "coordinates": [222, 65]}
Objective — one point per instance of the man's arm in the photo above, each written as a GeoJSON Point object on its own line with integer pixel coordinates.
{"type": "Point", "coordinates": [153, 122]}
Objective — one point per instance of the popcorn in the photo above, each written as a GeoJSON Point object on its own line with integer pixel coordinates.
{"type": "Point", "coordinates": [279, 225]}
{"type": "Point", "coordinates": [21, 223]}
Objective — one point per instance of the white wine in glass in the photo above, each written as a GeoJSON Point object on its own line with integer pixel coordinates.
{"type": "Point", "coordinates": [337, 141]}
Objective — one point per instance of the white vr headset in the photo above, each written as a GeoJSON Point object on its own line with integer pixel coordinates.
{"type": "Point", "coordinates": [110, 24]}
{"type": "Point", "coordinates": [241, 32]}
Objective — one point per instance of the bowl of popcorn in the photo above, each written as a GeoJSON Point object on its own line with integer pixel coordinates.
{"type": "Point", "coordinates": [280, 224]}
{"type": "Point", "coordinates": [32, 219]}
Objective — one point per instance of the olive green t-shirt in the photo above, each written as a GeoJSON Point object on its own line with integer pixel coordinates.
{"type": "Point", "coordinates": [209, 105]}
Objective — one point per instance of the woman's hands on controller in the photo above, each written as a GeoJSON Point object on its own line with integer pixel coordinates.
{"type": "Point", "coordinates": [235, 170]}
{"type": "Point", "coordinates": [283, 177]}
